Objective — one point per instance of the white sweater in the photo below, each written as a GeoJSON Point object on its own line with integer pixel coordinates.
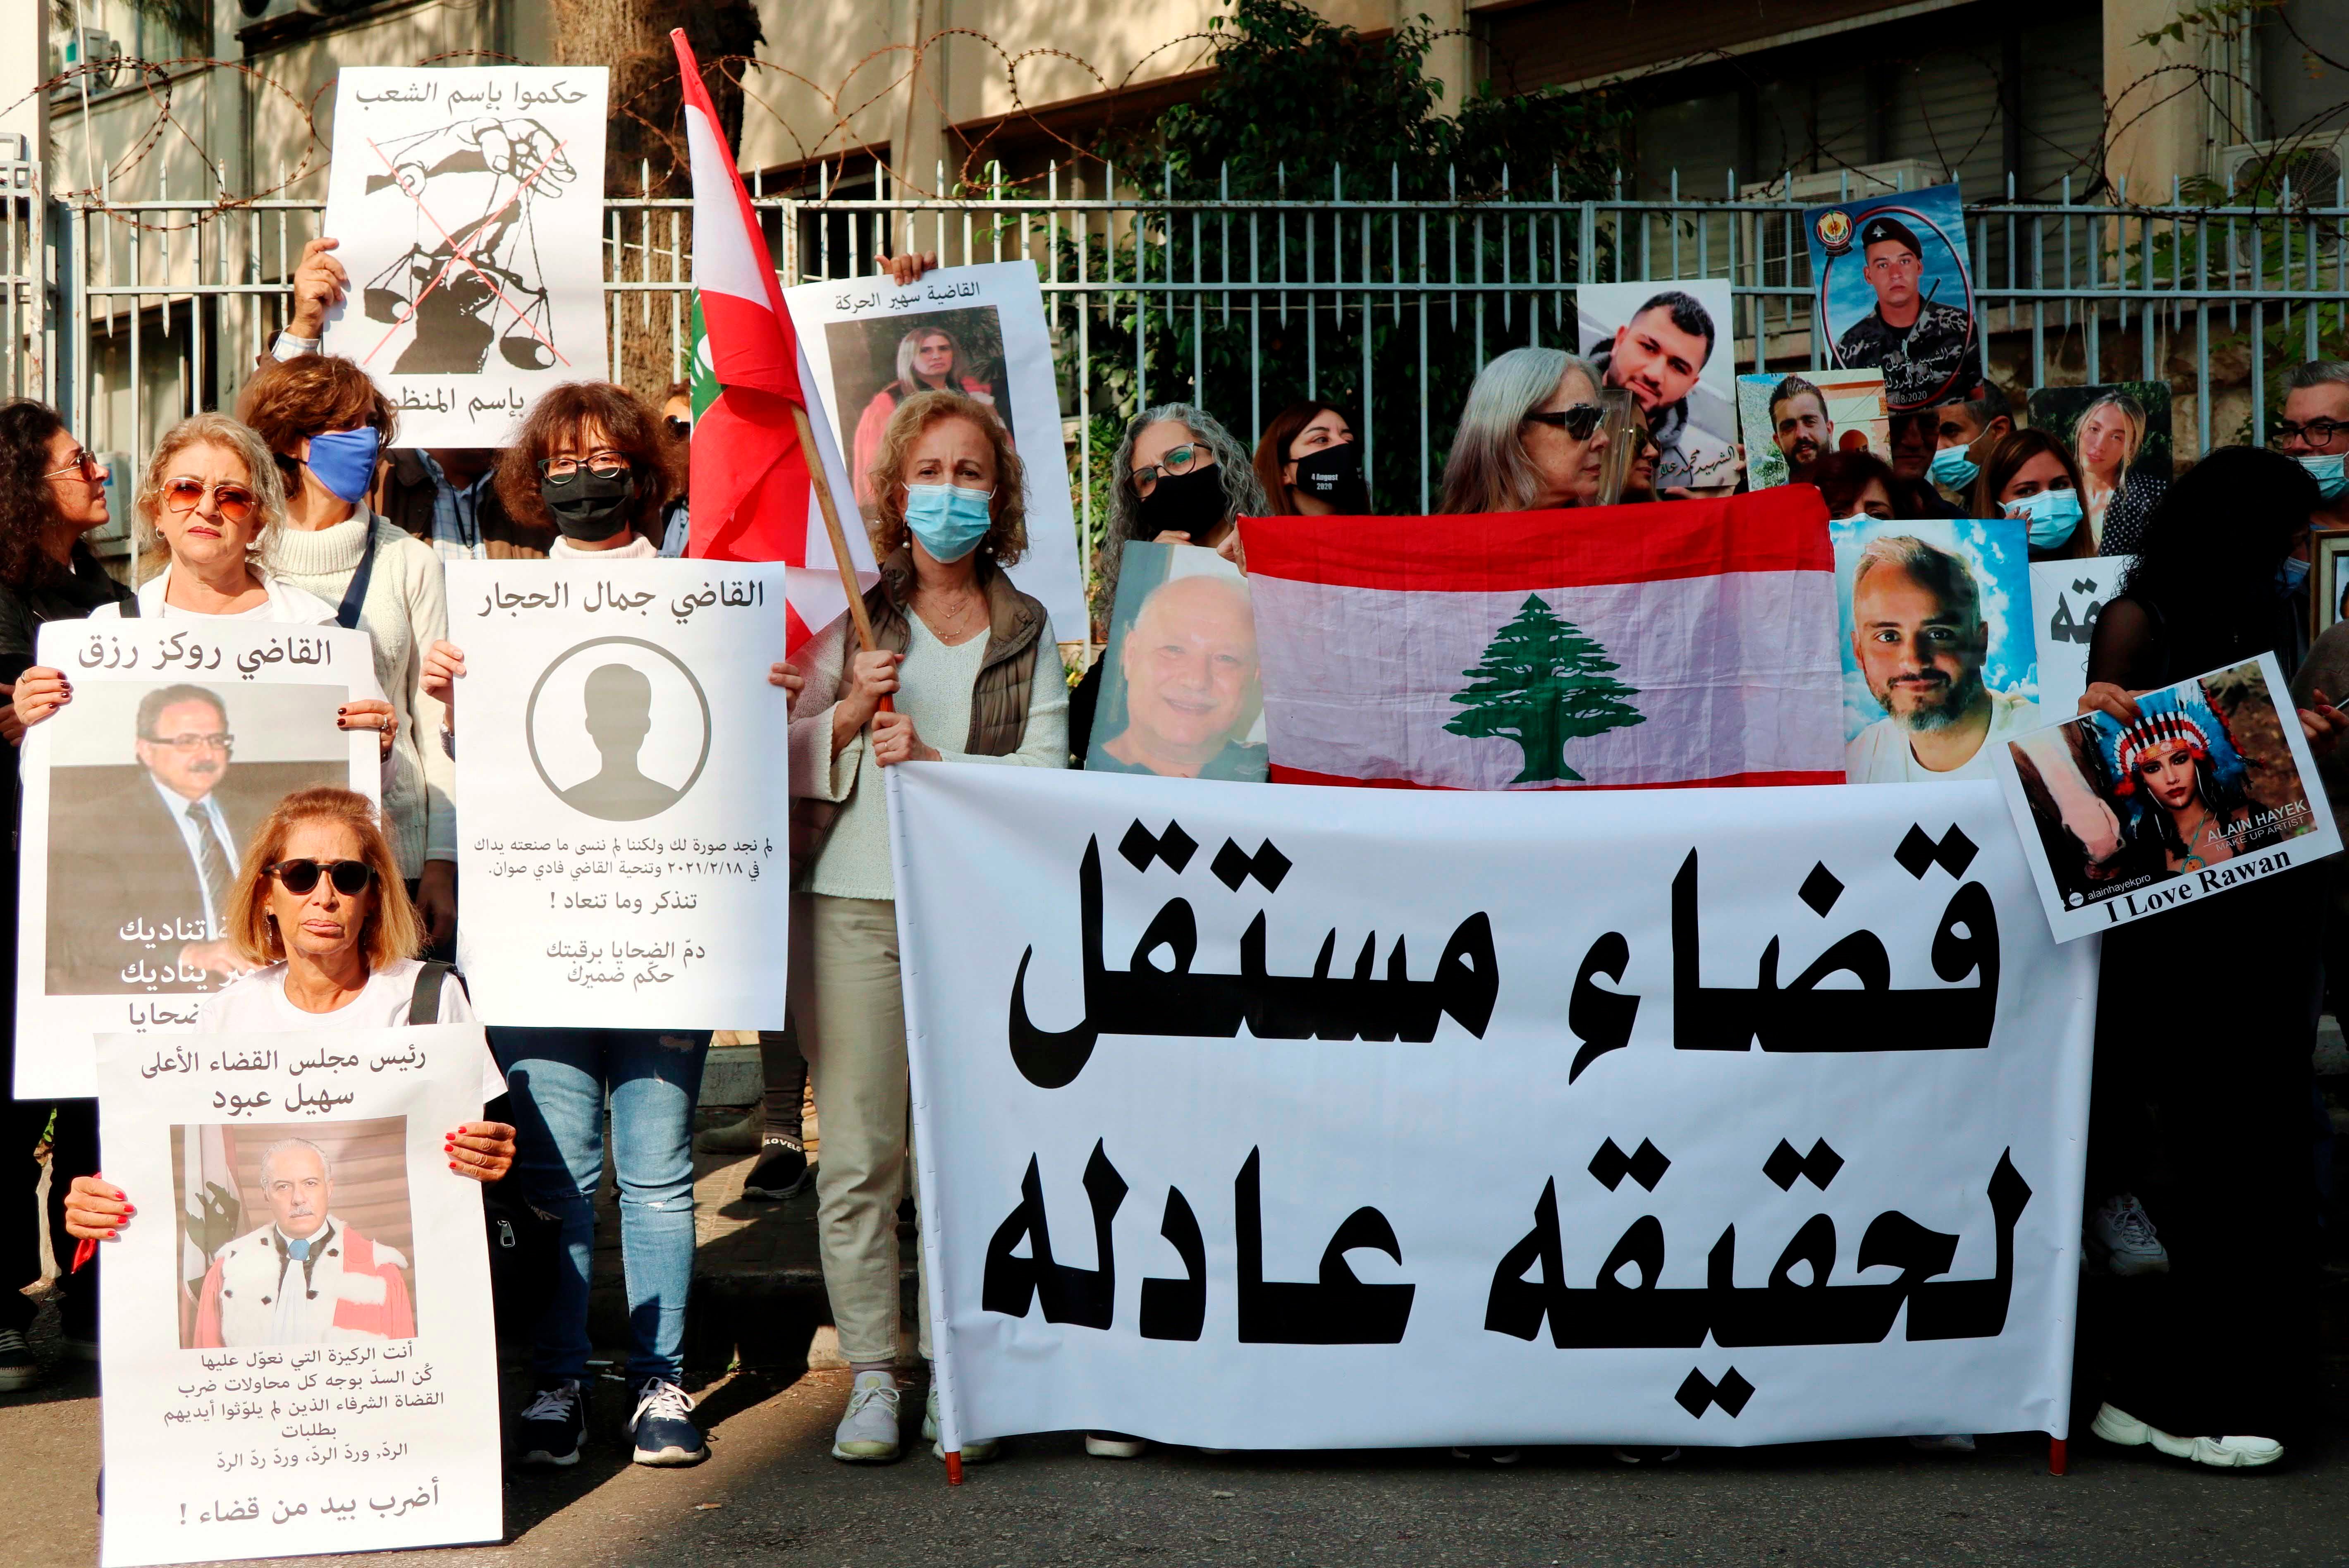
{"type": "Point", "coordinates": [934, 688]}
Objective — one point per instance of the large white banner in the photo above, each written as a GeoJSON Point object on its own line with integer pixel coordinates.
{"type": "Point", "coordinates": [470, 205]}
{"type": "Point", "coordinates": [260, 1402]}
{"type": "Point", "coordinates": [1303, 1117]}
{"type": "Point", "coordinates": [626, 852]}
{"type": "Point", "coordinates": [140, 798]}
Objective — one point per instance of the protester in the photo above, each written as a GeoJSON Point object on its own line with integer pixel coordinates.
{"type": "Point", "coordinates": [2105, 444]}
{"type": "Point", "coordinates": [929, 359]}
{"type": "Point", "coordinates": [2212, 588]}
{"type": "Point", "coordinates": [327, 423]}
{"type": "Point", "coordinates": [1964, 435]}
{"type": "Point", "coordinates": [2029, 475]}
{"type": "Point", "coordinates": [1310, 465]}
{"type": "Point", "coordinates": [1531, 436]}
{"type": "Point", "coordinates": [1628, 475]}
{"type": "Point", "coordinates": [1857, 483]}
{"type": "Point", "coordinates": [972, 672]}
{"type": "Point", "coordinates": [2313, 431]}
{"type": "Point", "coordinates": [52, 495]}
{"type": "Point", "coordinates": [1913, 496]}
{"type": "Point", "coordinates": [676, 417]}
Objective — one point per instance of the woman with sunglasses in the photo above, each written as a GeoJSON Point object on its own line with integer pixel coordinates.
{"type": "Point", "coordinates": [1531, 436]}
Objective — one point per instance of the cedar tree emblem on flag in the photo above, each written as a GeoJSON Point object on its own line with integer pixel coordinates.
{"type": "Point", "coordinates": [1542, 682]}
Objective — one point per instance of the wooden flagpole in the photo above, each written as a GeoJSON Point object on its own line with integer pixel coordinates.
{"type": "Point", "coordinates": [839, 539]}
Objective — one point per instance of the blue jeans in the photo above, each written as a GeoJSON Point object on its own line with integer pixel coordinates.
{"type": "Point", "coordinates": [559, 1078]}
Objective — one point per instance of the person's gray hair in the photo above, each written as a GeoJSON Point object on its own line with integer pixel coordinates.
{"type": "Point", "coordinates": [2316, 373]}
{"type": "Point", "coordinates": [1234, 470]}
{"type": "Point", "coordinates": [1488, 470]}
{"type": "Point", "coordinates": [1938, 572]}
{"type": "Point", "coordinates": [260, 471]}
{"type": "Point", "coordinates": [910, 345]}
{"type": "Point", "coordinates": [286, 1144]}
{"type": "Point", "coordinates": [1990, 402]}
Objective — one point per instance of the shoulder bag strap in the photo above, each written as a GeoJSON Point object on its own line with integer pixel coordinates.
{"type": "Point", "coordinates": [348, 617]}
{"type": "Point", "coordinates": [424, 1003]}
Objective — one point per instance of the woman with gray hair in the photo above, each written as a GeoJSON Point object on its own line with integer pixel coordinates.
{"type": "Point", "coordinates": [1531, 436]}
{"type": "Point", "coordinates": [1179, 477]}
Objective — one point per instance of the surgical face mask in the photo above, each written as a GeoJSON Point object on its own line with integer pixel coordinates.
{"type": "Point", "coordinates": [2330, 477]}
{"type": "Point", "coordinates": [2291, 573]}
{"type": "Point", "coordinates": [1953, 468]}
{"type": "Point", "coordinates": [1333, 475]}
{"type": "Point", "coordinates": [1189, 503]}
{"type": "Point", "coordinates": [344, 460]}
{"type": "Point", "coordinates": [588, 507]}
{"type": "Point", "coordinates": [2052, 513]}
{"type": "Point", "coordinates": [948, 520]}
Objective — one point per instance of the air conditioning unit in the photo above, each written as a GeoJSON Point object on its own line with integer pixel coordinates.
{"type": "Point", "coordinates": [93, 46]}
{"type": "Point", "coordinates": [2258, 171]}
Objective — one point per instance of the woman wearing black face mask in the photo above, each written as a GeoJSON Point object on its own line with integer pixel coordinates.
{"type": "Point", "coordinates": [1311, 464]}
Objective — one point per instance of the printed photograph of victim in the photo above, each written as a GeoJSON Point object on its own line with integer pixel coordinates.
{"type": "Point", "coordinates": [1182, 690]}
{"type": "Point", "coordinates": [618, 729]}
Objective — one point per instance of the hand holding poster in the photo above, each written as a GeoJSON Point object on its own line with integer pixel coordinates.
{"type": "Point", "coordinates": [1792, 421]}
{"type": "Point", "coordinates": [470, 205]}
{"type": "Point", "coordinates": [1896, 293]}
{"type": "Point", "coordinates": [2210, 787]}
{"type": "Point", "coordinates": [1180, 693]}
{"type": "Point", "coordinates": [140, 798]}
{"type": "Point", "coordinates": [1668, 344]}
{"type": "Point", "coordinates": [261, 1402]}
{"type": "Point", "coordinates": [626, 831]}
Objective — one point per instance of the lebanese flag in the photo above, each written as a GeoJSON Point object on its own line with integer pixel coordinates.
{"type": "Point", "coordinates": [752, 496]}
{"type": "Point", "coordinates": [1675, 643]}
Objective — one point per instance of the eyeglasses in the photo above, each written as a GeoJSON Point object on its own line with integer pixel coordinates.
{"type": "Point", "coordinates": [1173, 462]}
{"type": "Point", "coordinates": [681, 429]}
{"type": "Point", "coordinates": [184, 744]}
{"type": "Point", "coordinates": [351, 877]}
{"type": "Point", "coordinates": [1577, 422]}
{"type": "Point", "coordinates": [602, 464]}
{"type": "Point", "coordinates": [185, 493]}
{"type": "Point", "coordinates": [2316, 432]}
{"type": "Point", "coordinates": [82, 464]}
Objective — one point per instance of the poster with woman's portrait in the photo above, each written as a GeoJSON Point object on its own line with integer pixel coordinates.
{"type": "Point", "coordinates": [2210, 787]}
{"type": "Point", "coordinates": [1181, 695]}
{"type": "Point", "coordinates": [1895, 293]}
{"type": "Point", "coordinates": [1793, 421]}
{"type": "Point", "coordinates": [2119, 435]}
{"type": "Point", "coordinates": [978, 331]}
{"type": "Point", "coordinates": [1668, 344]}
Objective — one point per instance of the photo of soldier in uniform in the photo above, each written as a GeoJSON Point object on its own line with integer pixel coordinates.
{"type": "Point", "coordinates": [1895, 293]}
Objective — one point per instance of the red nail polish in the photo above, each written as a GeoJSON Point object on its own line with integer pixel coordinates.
{"type": "Point", "coordinates": [452, 1164]}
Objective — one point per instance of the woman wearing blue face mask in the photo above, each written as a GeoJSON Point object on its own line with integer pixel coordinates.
{"type": "Point", "coordinates": [969, 665]}
{"type": "Point", "coordinates": [2030, 475]}
{"type": "Point", "coordinates": [328, 424]}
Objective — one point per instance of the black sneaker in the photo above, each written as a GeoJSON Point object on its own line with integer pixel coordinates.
{"type": "Point", "coordinates": [782, 1171]}
{"type": "Point", "coordinates": [552, 1426]}
{"type": "Point", "coordinates": [663, 1433]}
{"type": "Point", "coordinates": [17, 1367]}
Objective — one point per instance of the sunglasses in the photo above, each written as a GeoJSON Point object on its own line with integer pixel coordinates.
{"type": "Point", "coordinates": [1577, 422]}
{"type": "Point", "coordinates": [351, 877]}
{"type": "Point", "coordinates": [185, 493]}
{"type": "Point", "coordinates": [81, 463]}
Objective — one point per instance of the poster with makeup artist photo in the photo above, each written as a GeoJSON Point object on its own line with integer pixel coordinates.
{"type": "Point", "coordinates": [1896, 293]}
{"type": "Point", "coordinates": [1940, 663]}
{"type": "Point", "coordinates": [1793, 421]}
{"type": "Point", "coordinates": [1668, 344]}
{"type": "Point", "coordinates": [978, 331]}
{"type": "Point", "coordinates": [1181, 696]}
{"type": "Point", "coordinates": [141, 795]}
{"type": "Point", "coordinates": [298, 1353]}
{"type": "Point", "coordinates": [2119, 436]}
{"type": "Point", "coordinates": [2210, 787]}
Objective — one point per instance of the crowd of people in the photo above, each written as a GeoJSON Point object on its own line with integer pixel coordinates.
{"type": "Point", "coordinates": [301, 508]}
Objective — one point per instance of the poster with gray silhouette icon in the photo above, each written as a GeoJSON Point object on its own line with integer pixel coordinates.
{"type": "Point", "coordinates": [624, 848]}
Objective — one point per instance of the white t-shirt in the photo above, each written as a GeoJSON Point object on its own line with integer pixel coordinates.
{"type": "Point", "coordinates": [1881, 753]}
{"type": "Point", "coordinates": [286, 602]}
{"type": "Point", "coordinates": [638, 548]}
{"type": "Point", "coordinates": [254, 1003]}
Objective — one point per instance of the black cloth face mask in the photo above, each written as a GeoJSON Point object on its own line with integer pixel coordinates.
{"type": "Point", "coordinates": [1333, 475]}
{"type": "Point", "coordinates": [1189, 503]}
{"type": "Point", "coordinates": [587, 506]}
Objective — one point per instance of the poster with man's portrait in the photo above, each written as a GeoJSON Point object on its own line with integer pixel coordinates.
{"type": "Point", "coordinates": [1181, 695]}
{"type": "Point", "coordinates": [977, 331]}
{"type": "Point", "coordinates": [297, 1340]}
{"type": "Point", "coordinates": [1793, 421]}
{"type": "Point", "coordinates": [2118, 434]}
{"type": "Point", "coordinates": [142, 797]}
{"type": "Point", "coordinates": [2209, 788]}
{"type": "Point", "coordinates": [1895, 293]}
{"type": "Point", "coordinates": [1940, 661]}
{"type": "Point", "coordinates": [1669, 345]}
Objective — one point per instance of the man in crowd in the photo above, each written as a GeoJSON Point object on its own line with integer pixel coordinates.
{"type": "Point", "coordinates": [1964, 434]}
{"type": "Point", "coordinates": [307, 1277]}
{"type": "Point", "coordinates": [1921, 345]}
{"type": "Point", "coordinates": [2314, 431]}
{"type": "Point", "coordinates": [1913, 438]}
{"type": "Point", "coordinates": [1919, 632]}
{"type": "Point", "coordinates": [1800, 426]}
{"type": "Point", "coordinates": [1656, 357]}
{"type": "Point", "coordinates": [1190, 670]}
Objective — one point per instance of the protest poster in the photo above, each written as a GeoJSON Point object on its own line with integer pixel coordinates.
{"type": "Point", "coordinates": [2118, 434]}
{"type": "Point", "coordinates": [2211, 788]}
{"type": "Point", "coordinates": [1393, 1131]}
{"type": "Point", "coordinates": [1179, 695]}
{"type": "Point", "coordinates": [1799, 419]}
{"type": "Point", "coordinates": [626, 852]}
{"type": "Point", "coordinates": [1896, 293]}
{"type": "Point", "coordinates": [2331, 585]}
{"type": "Point", "coordinates": [1605, 646]}
{"type": "Point", "coordinates": [141, 797]}
{"type": "Point", "coordinates": [1939, 660]}
{"type": "Point", "coordinates": [1668, 344]}
{"type": "Point", "coordinates": [2066, 596]}
{"type": "Point", "coordinates": [976, 330]}
{"type": "Point", "coordinates": [470, 207]}
{"type": "Point", "coordinates": [262, 1404]}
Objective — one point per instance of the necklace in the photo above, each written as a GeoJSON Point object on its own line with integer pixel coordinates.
{"type": "Point", "coordinates": [956, 623]}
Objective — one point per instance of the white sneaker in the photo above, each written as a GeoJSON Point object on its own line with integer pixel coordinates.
{"type": "Point", "coordinates": [2223, 1453]}
{"type": "Point", "coordinates": [1115, 1446]}
{"type": "Point", "coordinates": [2122, 1237]}
{"type": "Point", "coordinates": [975, 1450]}
{"type": "Point", "coordinates": [867, 1433]}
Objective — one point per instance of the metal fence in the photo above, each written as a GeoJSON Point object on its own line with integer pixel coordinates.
{"type": "Point", "coordinates": [1341, 286]}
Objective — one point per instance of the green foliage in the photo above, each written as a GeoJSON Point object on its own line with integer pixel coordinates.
{"type": "Point", "coordinates": [1541, 682]}
{"type": "Point", "coordinates": [2224, 19]}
